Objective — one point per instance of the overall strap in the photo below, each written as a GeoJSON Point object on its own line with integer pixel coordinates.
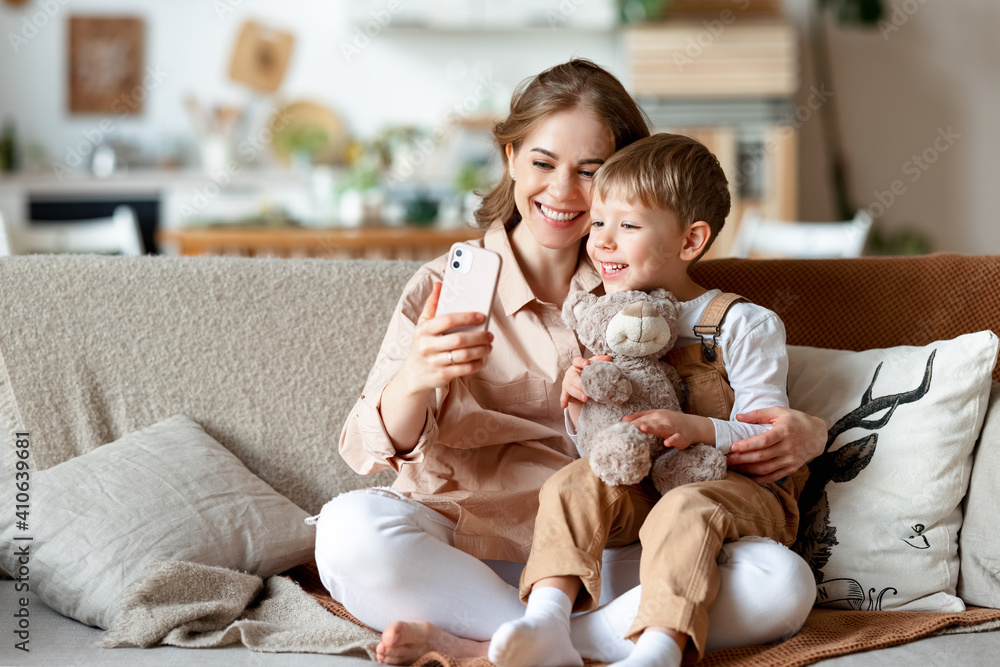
{"type": "Point", "coordinates": [711, 322]}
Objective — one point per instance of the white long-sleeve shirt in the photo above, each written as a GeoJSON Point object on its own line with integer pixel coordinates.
{"type": "Point", "coordinates": [753, 349]}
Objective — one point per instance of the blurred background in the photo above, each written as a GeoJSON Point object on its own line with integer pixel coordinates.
{"type": "Point", "coordinates": [297, 126]}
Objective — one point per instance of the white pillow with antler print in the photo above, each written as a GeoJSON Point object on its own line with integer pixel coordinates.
{"type": "Point", "coordinates": [882, 509]}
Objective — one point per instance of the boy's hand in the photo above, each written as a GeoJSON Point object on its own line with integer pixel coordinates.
{"type": "Point", "coordinates": [678, 430]}
{"type": "Point", "coordinates": [794, 439]}
{"type": "Point", "coordinates": [572, 386]}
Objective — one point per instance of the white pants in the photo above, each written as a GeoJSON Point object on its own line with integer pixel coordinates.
{"type": "Point", "coordinates": [387, 558]}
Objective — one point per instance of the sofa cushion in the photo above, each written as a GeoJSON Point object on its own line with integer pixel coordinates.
{"type": "Point", "coordinates": [979, 546]}
{"type": "Point", "coordinates": [865, 303]}
{"type": "Point", "coordinates": [881, 511]}
{"type": "Point", "coordinates": [99, 522]}
{"type": "Point", "coordinates": [268, 355]}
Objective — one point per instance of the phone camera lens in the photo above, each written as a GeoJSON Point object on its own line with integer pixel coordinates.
{"type": "Point", "coordinates": [456, 264]}
{"type": "Point", "coordinates": [458, 253]}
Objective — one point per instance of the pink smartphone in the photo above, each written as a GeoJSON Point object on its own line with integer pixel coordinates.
{"type": "Point", "coordinates": [470, 281]}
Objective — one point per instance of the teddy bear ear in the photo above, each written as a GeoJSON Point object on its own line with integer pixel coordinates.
{"type": "Point", "coordinates": [576, 305]}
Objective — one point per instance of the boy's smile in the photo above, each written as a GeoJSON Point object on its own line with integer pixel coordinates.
{"type": "Point", "coordinates": [609, 270]}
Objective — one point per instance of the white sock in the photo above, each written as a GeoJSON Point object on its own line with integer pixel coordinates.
{"type": "Point", "coordinates": [600, 634]}
{"type": "Point", "coordinates": [654, 649]}
{"type": "Point", "coordinates": [540, 638]}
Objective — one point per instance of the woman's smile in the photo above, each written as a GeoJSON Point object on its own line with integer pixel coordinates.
{"type": "Point", "coordinates": [558, 218]}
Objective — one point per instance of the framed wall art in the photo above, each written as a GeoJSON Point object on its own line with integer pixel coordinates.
{"type": "Point", "coordinates": [105, 64]}
{"type": "Point", "coordinates": [261, 56]}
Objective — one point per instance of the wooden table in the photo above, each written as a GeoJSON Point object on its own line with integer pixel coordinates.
{"type": "Point", "coordinates": [334, 243]}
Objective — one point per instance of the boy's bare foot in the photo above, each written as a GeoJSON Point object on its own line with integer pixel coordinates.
{"type": "Point", "coordinates": [403, 642]}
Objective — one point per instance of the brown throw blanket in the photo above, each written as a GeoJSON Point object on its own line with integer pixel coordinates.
{"type": "Point", "coordinates": [279, 616]}
{"type": "Point", "coordinates": [827, 633]}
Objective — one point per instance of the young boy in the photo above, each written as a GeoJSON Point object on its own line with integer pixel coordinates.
{"type": "Point", "coordinates": [658, 204]}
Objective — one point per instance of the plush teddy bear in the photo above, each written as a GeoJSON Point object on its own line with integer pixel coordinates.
{"type": "Point", "coordinates": [636, 329]}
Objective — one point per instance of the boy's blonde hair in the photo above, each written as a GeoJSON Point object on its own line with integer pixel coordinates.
{"type": "Point", "coordinates": [669, 171]}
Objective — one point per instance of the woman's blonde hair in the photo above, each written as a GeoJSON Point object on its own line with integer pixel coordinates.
{"type": "Point", "coordinates": [669, 171]}
{"type": "Point", "coordinates": [577, 83]}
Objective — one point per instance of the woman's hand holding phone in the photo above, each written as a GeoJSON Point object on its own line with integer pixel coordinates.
{"type": "Point", "coordinates": [438, 356]}
{"type": "Point", "coordinates": [450, 341]}
{"type": "Point", "coordinates": [451, 338]}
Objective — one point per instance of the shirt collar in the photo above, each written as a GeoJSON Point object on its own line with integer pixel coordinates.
{"type": "Point", "coordinates": [513, 290]}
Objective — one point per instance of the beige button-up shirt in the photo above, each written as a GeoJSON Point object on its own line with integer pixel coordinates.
{"type": "Point", "coordinates": [491, 439]}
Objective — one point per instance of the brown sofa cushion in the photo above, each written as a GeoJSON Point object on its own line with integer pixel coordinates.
{"type": "Point", "coordinates": [869, 302]}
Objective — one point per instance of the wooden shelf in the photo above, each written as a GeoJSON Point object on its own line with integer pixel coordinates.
{"type": "Point", "coordinates": [335, 243]}
{"type": "Point", "coordinates": [729, 78]}
{"type": "Point", "coordinates": [750, 57]}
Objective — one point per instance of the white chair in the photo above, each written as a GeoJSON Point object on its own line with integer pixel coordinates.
{"type": "Point", "coordinates": [4, 241]}
{"type": "Point", "coordinates": [757, 237]}
{"type": "Point", "coordinates": [118, 234]}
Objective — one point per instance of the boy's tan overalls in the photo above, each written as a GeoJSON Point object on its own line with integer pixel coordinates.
{"type": "Point", "coordinates": [682, 532]}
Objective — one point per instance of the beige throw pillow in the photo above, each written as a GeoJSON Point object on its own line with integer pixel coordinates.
{"type": "Point", "coordinates": [99, 522]}
{"type": "Point", "coordinates": [882, 511]}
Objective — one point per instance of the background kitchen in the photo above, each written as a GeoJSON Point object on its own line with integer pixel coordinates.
{"type": "Point", "coordinates": [310, 127]}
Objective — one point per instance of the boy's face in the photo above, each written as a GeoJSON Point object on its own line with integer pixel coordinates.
{"type": "Point", "coordinates": [634, 247]}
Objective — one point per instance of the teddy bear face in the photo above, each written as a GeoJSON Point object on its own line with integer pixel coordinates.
{"type": "Point", "coordinates": [629, 323]}
{"type": "Point", "coordinates": [638, 330]}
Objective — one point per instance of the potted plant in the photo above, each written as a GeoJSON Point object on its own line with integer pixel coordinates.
{"type": "Point", "coordinates": [302, 142]}
{"type": "Point", "coordinates": [359, 193]}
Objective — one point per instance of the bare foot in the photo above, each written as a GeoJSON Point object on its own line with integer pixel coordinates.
{"type": "Point", "coordinates": [402, 643]}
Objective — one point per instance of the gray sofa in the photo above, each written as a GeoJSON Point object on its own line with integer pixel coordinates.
{"type": "Point", "coordinates": [269, 355]}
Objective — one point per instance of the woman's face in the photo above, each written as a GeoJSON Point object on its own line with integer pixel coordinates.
{"type": "Point", "coordinates": [554, 172]}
